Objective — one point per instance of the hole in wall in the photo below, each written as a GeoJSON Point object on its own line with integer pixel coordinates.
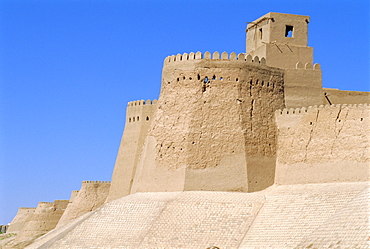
{"type": "Point", "coordinates": [147, 118]}
{"type": "Point", "coordinates": [190, 78]}
{"type": "Point", "coordinates": [289, 31]}
{"type": "Point", "coordinates": [361, 119]}
{"type": "Point", "coordinates": [214, 77]}
{"type": "Point", "coordinates": [237, 79]}
{"type": "Point", "coordinates": [129, 120]}
{"type": "Point", "coordinates": [221, 78]}
{"type": "Point", "coordinates": [137, 118]}
{"type": "Point", "coordinates": [260, 33]}
{"type": "Point", "coordinates": [198, 77]}
{"type": "Point", "coordinates": [178, 79]}
{"type": "Point", "coordinates": [205, 80]}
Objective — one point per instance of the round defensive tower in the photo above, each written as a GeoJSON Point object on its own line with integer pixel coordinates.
{"type": "Point", "coordinates": [214, 126]}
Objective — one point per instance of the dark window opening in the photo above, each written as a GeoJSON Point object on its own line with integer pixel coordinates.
{"type": "Point", "coordinates": [288, 31]}
{"type": "Point", "coordinates": [205, 79]}
{"type": "Point", "coordinates": [137, 118]}
{"type": "Point", "coordinates": [147, 118]}
{"type": "Point", "coordinates": [260, 33]}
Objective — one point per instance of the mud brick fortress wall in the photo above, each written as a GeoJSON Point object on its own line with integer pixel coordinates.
{"type": "Point", "coordinates": [258, 123]}
{"type": "Point", "coordinates": [214, 127]}
{"type": "Point", "coordinates": [323, 144]}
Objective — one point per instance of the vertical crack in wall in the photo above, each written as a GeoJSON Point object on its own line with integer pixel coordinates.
{"type": "Point", "coordinates": [337, 120]}
{"type": "Point", "coordinates": [311, 134]}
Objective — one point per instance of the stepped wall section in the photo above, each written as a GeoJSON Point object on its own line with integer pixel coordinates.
{"type": "Point", "coordinates": [44, 219]}
{"type": "Point", "coordinates": [214, 126]}
{"type": "Point", "coordinates": [323, 144]}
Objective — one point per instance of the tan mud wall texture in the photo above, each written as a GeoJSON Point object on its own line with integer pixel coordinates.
{"type": "Point", "coordinates": [44, 219]}
{"type": "Point", "coordinates": [214, 127]}
{"type": "Point", "coordinates": [335, 96]}
{"type": "Point", "coordinates": [138, 119]}
{"type": "Point", "coordinates": [20, 219]}
{"type": "Point", "coordinates": [323, 144]}
{"type": "Point", "coordinates": [91, 196]}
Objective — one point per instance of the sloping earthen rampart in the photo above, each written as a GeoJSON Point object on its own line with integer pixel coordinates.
{"type": "Point", "coordinates": [323, 144]}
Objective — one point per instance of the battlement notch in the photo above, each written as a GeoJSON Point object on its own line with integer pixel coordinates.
{"type": "Point", "coordinates": [214, 56]}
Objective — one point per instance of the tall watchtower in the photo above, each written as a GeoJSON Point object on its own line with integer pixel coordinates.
{"type": "Point", "coordinates": [281, 38]}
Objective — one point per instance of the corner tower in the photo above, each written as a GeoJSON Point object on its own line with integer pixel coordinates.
{"type": "Point", "coordinates": [281, 38]}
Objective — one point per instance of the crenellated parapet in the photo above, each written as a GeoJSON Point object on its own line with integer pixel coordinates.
{"type": "Point", "coordinates": [307, 65]}
{"type": "Point", "coordinates": [84, 182]}
{"type": "Point", "coordinates": [141, 102]}
{"type": "Point", "coordinates": [214, 56]}
{"type": "Point", "coordinates": [315, 108]}
{"type": "Point", "coordinates": [140, 110]}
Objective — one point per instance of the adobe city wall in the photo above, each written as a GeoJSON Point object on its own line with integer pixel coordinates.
{"type": "Point", "coordinates": [335, 96]}
{"type": "Point", "coordinates": [214, 126]}
{"type": "Point", "coordinates": [20, 219]}
{"type": "Point", "coordinates": [138, 119]}
{"type": "Point", "coordinates": [303, 85]}
{"type": "Point", "coordinates": [91, 196]}
{"type": "Point", "coordinates": [323, 144]}
{"type": "Point", "coordinates": [44, 219]}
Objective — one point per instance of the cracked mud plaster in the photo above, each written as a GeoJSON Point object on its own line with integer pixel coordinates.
{"type": "Point", "coordinates": [327, 134]}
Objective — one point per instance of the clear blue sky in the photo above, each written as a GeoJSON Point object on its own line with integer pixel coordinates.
{"type": "Point", "coordinates": [68, 69]}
